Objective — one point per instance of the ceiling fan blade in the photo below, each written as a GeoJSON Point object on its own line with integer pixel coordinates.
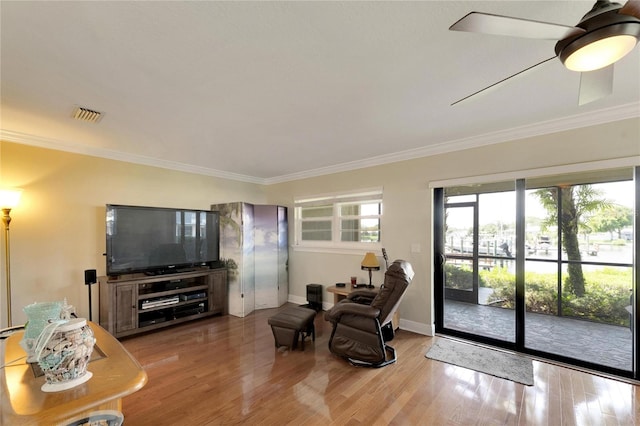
{"type": "Point", "coordinates": [632, 8]}
{"type": "Point", "coordinates": [502, 81]}
{"type": "Point", "coordinates": [486, 23]}
{"type": "Point", "coordinates": [595, 85]}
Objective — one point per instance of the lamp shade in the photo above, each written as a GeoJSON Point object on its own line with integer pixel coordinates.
{"type": "Point", "coordinates": [370, 261]}
{"type": "Point", "coordinates": [9, 198]}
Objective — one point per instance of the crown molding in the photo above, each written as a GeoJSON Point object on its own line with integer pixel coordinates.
{"type": "Point", "coordinates": [27, 139]}
{"type": "Point", "coordinates": [587, 119]}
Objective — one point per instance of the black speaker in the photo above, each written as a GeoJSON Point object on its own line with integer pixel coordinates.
{"type": "Point", "coordinates": [314, 296]}
{"type": "Point", "coordinates": [90, 276]}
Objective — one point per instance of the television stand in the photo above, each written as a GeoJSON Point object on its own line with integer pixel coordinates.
{"type": "Point", "coordinates": [136, 303]}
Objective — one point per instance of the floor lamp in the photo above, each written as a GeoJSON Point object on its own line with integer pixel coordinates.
{"type": "Point", "coordinates": [8, 199]}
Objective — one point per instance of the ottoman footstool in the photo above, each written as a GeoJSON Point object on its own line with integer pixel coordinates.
{"type": "Point", "coordinates": [287, 326]}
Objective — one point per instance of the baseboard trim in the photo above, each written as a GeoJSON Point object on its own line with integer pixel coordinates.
{"type": "Point", "coordinates": [296, 299]}
{"type": "Point", "coordinates": [418, 327]}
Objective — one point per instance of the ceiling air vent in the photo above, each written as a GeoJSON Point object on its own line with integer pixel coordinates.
{"type": "Point", "coordinates": [86, 114]}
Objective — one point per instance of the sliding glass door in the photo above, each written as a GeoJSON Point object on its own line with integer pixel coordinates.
{"type": "Point", "coordinates": [579, 270]}
{"type": "Point", "coordinates": [543, 265]}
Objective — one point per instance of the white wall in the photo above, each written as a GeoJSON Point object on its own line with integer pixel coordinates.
{"type": "Point", "coordinates": [407, 203]}
{"type": "Point", "coordinates": [58, 229]}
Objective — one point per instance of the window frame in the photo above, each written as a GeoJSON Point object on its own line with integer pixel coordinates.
{"type": "Point", "coordinates": [337, 200]}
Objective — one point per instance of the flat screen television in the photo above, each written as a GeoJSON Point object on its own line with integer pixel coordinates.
{"type": "Point", "coordinates": [157, 240]}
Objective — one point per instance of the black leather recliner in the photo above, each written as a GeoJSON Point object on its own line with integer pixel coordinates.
{"type": "Point", "coordinates": [362, 321]}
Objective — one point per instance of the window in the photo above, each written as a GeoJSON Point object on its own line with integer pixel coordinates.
{"type": "Point", "coordinates": [316, 222]}
{"type": "Point", "coordinates": [340, 220]}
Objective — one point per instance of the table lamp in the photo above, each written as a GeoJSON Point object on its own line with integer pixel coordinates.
{"type": "Point", "coordinates": [370, 263]}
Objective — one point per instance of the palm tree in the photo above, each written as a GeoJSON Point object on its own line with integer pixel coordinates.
{"type": "Point", "coordinates": [576, 202]}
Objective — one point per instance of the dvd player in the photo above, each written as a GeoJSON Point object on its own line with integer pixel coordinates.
{"type": "Point", "coordinates": [154, 303]}
{"type": "Point", "coordinates": [191, 296]}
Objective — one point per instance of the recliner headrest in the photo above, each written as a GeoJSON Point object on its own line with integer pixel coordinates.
{"type": "Point", "coordinates": [401, 268]}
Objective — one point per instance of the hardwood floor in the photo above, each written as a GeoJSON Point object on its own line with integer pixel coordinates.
{"type": "Point", "coordinates": [226, 370]}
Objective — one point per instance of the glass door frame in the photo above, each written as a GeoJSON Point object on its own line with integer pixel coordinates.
{"type": "Point", "coordinates": [439, 218]}
{"type": "Point", "coordinates": [465, 295]}
{"type": "Point", "coordinates": [441, 256]}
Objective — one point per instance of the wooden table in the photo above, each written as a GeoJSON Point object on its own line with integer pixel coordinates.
{"type": "Point", "coordinates": [340, 293]}
{"type": "Point", "coordinates": [115, 375]}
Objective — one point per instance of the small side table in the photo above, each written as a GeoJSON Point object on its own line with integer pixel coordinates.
{"type": "Point", "coordinates": [340, 293]}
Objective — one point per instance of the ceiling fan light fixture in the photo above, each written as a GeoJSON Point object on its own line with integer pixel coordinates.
{"type": "Point", "coordinates": [599, 48]}
{"type": "Point", "coordinates": [600, 53]}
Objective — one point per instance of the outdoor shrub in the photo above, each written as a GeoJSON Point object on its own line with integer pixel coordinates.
{"type": "Point", "coordinates": [540, 290]}
{"type": "Point", "coordinates": [503, 284]}
{"type": "Point", "coordinates": [459, 277]}
{"type": "Point", "coordinates": [541, 293]}
{"type": "Point", "coordinates": [607, 294]}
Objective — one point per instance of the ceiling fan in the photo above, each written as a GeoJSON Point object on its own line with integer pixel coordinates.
{"type": "Point", "coordinates": [602, 37]}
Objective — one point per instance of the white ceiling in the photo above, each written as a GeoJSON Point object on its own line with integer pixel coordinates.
{"type": "Point", "coordinates": [272, 91]}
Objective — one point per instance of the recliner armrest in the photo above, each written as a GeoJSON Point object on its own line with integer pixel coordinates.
{"type": "Point", "coordinates": [366, 311]}
{"type": "Point", "coordinates": [364, 297]}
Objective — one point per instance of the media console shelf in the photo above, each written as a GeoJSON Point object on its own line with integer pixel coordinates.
{"type": "Point", "coordinates": [131, 304]}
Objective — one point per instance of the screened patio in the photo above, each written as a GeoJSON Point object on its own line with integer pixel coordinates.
{"type": "Point", "coordinates": [603, 344]}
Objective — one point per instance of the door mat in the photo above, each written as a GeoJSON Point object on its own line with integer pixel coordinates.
{"type": "Point", "coordinates": [517, 368]}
